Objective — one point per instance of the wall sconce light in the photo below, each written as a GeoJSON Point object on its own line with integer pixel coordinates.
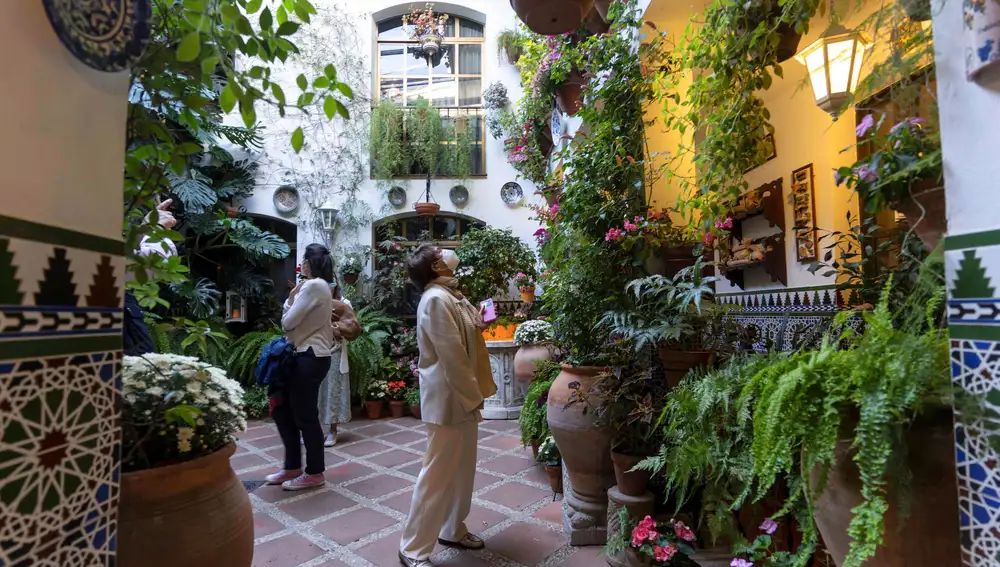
{"type": "Point", "coordinates": [834, 65]}
{"type": "Point", "coordinates": [236, 308]}
{"type": "Point", "coordinates": [328, 215]}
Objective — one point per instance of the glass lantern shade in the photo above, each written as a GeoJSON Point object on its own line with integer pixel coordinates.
{"type": "Point", "coordinates": [328, 216]}
{"type": "Point", "coordinates": [834, 65]}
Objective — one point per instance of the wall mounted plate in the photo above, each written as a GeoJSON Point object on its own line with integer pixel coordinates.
{"type": "Point", "coordinates": [511, 193]}
{"type": "Point", "coordinates": [107, 35]}
{"type": "Point", "coordinates": [397, 196]}
{"type": "Point", "coordinates": [286, 199]}
{"type": "Point", "coordinates": [558, 127]}
{"type": "Point", "coordinates": [459, 195]}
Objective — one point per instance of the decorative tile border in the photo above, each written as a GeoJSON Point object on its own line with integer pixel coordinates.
{"type": "Point", "coordinates": [820, 299]}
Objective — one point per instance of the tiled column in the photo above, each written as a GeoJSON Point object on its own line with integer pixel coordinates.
{"type": "Point", "coordinates": [61, 280]}
{"type": "Point", "coordinates": [970, 114]}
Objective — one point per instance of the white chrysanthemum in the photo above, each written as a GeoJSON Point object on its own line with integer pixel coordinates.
{"type": "Point", "coordinates": [183, 446]}
{"type": "Point", "coordinates": [185, 433]}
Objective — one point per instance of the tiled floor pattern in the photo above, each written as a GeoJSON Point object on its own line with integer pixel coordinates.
{"type": "Point", "coordinates": [355, 520]}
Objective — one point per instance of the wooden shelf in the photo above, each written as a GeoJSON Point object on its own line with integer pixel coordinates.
{"type": "Point", "coordinates": [774, 262]}
{"type": "Point", "coordinates": [767, 200]}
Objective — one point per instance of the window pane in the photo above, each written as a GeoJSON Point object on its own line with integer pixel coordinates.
{"type": "Point", "coordinates": [416, 89]}
{"type": "Point", "coordinates": [470, 59]}
{"type": "Point", "coordinates": [416, 64]}
{"type": "Point", "coordinates": [392, 89]}
{"type": "Point", "coordinates": [392, 29]}
{"type": "Point", "coordinates": [476, 127]}
{"type": "Point", "coordinates": [443, 91]}
{"type": "Point", "coordinates": [470, 92]}
{"type": "Point", "coordinates": [477, 160]}
{"type": "Point", "coordinates": [415, 227]}
{"type": "Point", "coordinates": [470, 29]}
{"type": "Point", "coordinates": [445, 228]}
{"type": "Point", "coordinates": [392, 59]}
{"type": "Point", "coordinates": [444, 62]}
{"type": "Point", "coordinates": [449, 27]}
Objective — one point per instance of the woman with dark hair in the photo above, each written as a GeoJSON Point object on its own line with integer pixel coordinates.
{"type": "Point", "coordinates": [308, 326]}
{"type": "Point", "coordinates": [455, 378]}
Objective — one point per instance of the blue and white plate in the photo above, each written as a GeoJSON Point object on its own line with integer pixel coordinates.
{"type": "Point", "coordinates": [108, 35]}
{"type": "Point", "coordinates": [511, 193]}
{"type": "Point", "coordinates": [558, 128]}
{"type": "Point", "coordinates": [459, 195]}
{"type": "Point", "coordinates": [397, 196]}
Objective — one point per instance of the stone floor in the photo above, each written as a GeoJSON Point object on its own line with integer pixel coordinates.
{"type": "Point", "coordinates": [355, 520]}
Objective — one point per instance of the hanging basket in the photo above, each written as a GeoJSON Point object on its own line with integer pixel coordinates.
{"type": "Point", "coordinates": [569, 95]}
{"type": "Point", "coordinates": [426, 209]}
{"type": "Point", "coordinates": [552, 17]}
{"type": "Point", "coordinates": [430, 44]}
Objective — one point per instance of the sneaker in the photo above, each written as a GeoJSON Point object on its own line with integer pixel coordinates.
{"type": "Point", "coordinates": [282, 477]}
{"type": "Point", "coordinates": [414, 562]}
{"type": "Point", "coordinates": [304, 482]}
{"type": "Point", "coordinates": [331, 440]}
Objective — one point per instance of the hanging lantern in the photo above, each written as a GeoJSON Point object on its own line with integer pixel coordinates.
{"type": "Point", "coordinates": [834, 65]}
{"type": "Point", "coordinates": [236, 308]}
{"type": "Point", "coordinates": [328, 216]}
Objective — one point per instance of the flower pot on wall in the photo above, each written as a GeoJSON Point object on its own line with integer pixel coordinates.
{"type": "Point", "coordinates": [430, 44]}
{"type": "Point", "coordinates": [788, 45]}
{"type": "Point", "coordinates": [500, 333]}
{"type": "Point", "coordinates": [513, 53]}
{"type": "Point", "coordinates": [527, 294]}
{"type": "Point", "coordinates": [351, 278]}
{"type": "Point", "coordinates": [397, 408]}
{"type": "Point", "coordinates": [630, 483]}
{"type": "Point", "coordinates": [928, 536]}
{"type": "Point", "coordinates": [555, 478]}
{"type": "Point", "coordinates": [677, 363]}
{"type": "Point", "coordinates": [526, 360]}
{"type": "Point", "coordinates": [585, 449]}
{"type": "Point", "coordinates": [426, 208]}
{"type": "Point", "coordinates": [551, 17]}
{"type": "Point", "coordinates": [925, 212]}
{"type": "Point", "coordinates": [195, 513]}
{"type": "Point", "coordinates": [373, 409]}
{"type": "Point", "coordinates": [569, 95]}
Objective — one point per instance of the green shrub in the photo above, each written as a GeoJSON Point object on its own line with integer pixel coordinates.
{"type": "Point", "coordinates": [533, 419]}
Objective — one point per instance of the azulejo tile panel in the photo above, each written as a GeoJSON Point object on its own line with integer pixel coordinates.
{"type": "Point", "coordinates": [60, 355]}
{"type": "Point", "coordinates": [972, 269]}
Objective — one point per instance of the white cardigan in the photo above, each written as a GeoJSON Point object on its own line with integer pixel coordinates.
{"type": "Point", "coordinates": [307, 321]}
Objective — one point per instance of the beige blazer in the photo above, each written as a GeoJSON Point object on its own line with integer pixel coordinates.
{"type": "Point", "coordinates": [453, 385]}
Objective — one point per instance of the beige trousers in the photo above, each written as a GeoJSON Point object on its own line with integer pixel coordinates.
{"type": "Point", "coordinates": [442, 497]}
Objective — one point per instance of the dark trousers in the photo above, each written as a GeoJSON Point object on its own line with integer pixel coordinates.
{"type": "Point", "coordinates": [297, 417]}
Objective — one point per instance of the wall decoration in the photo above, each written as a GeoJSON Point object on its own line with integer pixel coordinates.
{"type": "Point", "coordinates": [459, 195]}
{"type": "Point", "coordinates": [982, 36]}
{"type": "Point", "coordinates": [764, 200]}
{"type": "Point", "coordinates": [511, 193]}
{"type": "Point", "coordinates": [286, 199]}
{"type": "Point", "coordinates": [397, 196]}
{"type": "Point", "coordinates": [107, 35]}
{"type": "Point", "coordinates": [803, 200]}
{"type": "Point", "coordinates": [772, 152]}
{"type": "Point", "coordinates": [558, 127]}
{"type": "Point", "coordinates": [747, 253]}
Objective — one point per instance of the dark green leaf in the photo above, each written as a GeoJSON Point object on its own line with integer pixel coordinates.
{"type": "Point", "coordinates": [266, 19]}
{"type": "Point", "coordinates": [342, 110]}
{"type": "Point", "coordinates": [230, 13]}
{"type": "Point", "coordinates": [321, 83]}
{"type": "Point", "coordinates": [302, 12]}
{"type": "Point", "coordinates": [209, 64]}
{"type": "Point", "coordinates": [189, 47]}
{"type": "Point", "coordinates": [298, 138]}
{"type": "Point", "coordinates": [253, 6]}
{"type": "Point", "coordinates": [288, 28]}
{"type": "Point", "coordinates": [331, 72]}
{"type": "Point", "coordinates": [279, 94]}
{"type": "Point", "coordinates": [345, 90]}
{"type": "Point", "coordinates": [243, 25]}
{"type": "Point", "coordinates": [247, 112]}
{"type": "Point", "coordinates": [227, 100]}
{"type": "Point", "coordinates": [302, 82]}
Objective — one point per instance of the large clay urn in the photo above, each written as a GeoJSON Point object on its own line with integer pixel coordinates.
{"type": "Point", "coordinates": [552, 17]}
{"type": "Point", "coordinates": [929, 535]}
{"type": "Point", "coordinates": [195, 514]}
{"type": "Point", "coordinates": [586, 453]}
{"type": "Point", "coordinates": [527, 358]}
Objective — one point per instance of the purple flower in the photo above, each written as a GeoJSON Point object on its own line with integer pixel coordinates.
{"type": "Point", "coordinates": [908, 123]}
{"type": "Point", "coordinates": [741, 563]}
{"type": "Point", "coordinates": [769, 526]}
{"type": "Point", "coordinates": [866, 124]}
{"type": "Point", "coordinates": [866, 173]}
{"type": "Point", "coordinates": [838, 179]}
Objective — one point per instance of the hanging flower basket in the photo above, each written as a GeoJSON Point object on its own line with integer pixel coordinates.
{"type": "Point", "coordinates": [426, 28]}
{"type": "Point", "coordinates": [430, 44]}
{"type": "Point", "coordinates": [552, 17]}
{"type": "Point", "coordinates": [426, 209]}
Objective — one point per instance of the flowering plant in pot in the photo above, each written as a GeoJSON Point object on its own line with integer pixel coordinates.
{"type": "Point", "coordinates": [375, 398]}
{"type": "Point", "coordinates": [652, 542]}
{"type": "Point", "coordinates": [413, 400]}
{"type": "Point", "coordinates": [904, 174]}
{"type": "Point", "coordinates": [351, 267]}
{"type": "Point", "coordinates": [548, 455]}
{"type": "Point", "coordinates": [535, 339]}
{"type": "Point", "coordinates": [526, 285]}
{"type": "Point", "coordinates": [426, 28]}
{"type": "Point", "coordinates": [396, 392]}
{"type": "Point", "coordinates": [180, 417]}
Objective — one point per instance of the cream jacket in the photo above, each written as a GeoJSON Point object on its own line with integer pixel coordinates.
{"type": "Point", "coordinates": [453, 385]}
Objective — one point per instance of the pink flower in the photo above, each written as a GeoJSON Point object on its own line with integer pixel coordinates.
{"type": "Point", "coordinates": [724, 224]}
{"type": "Point", "coordinates": [866, 124]}
{"type": "Point", "coordinates": [640, 535]}
{"type": "Point", "coordinates": [683, 532]}
{"type": "Point", "coordinates": [664, 553]}
{"type": "Point", "coordinates": [648, 523]}
{"type": "Point", "coordinates": [769, 526]}
{"type": "Point", "coordinates": [612, 235]}
{"type": "Point", "coordinates": [741, 563]}
{"type": "Point", "coordinates": [554, 210]}
{"type": "Point", "coordinates": [708, 238]}
{"type": "Point", "coordinates": [630, 227]}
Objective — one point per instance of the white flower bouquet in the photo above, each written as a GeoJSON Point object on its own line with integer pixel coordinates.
{"type": "Point", "coordinates": [378, 391]}
{"type": "Point", "coordinates": [176, 408]}
{"type": "Point", "coordinates": [533, 332]}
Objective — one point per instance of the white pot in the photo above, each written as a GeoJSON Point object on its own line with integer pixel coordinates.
{"type": "Point", "coordinates": [430, 44]}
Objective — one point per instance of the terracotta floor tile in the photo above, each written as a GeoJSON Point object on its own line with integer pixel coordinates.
{"type": "Point", "coordinates": [508, 465]}
{"type": "Point", "coordinates": [501, 425]}
{"type": "Point", "coordinates": [408, 423]}
{"type": "Point", "coordinates": [419, 447]}
{"type": "Point", "coordinates": [347, 472]}
{"type": "Point", "coordinates": [257, 473]}
{"type": "Point", "coordinates": [413, 470]}
{"type": "Point", "coordinates": [394, 458]}
{"type": "Point", "coordinates": [481, 519]}
{"type": "Point", "coordinates": [266, 441]}
{"type": "Point", "coordinates": [484, 479]}
{"type": "Point", "coordinates": [273, 494]}
{"type": "Point", "coordinates": [399, 502]}
{"type": "Point", "coordinates": [527, 544]}
{"type": "Point", "coordinates": [316, 504]}
{"type": "Point", "coordinates": [362, 449]}
{"type": "Point", "coordinates": [552, 512]}
{"type": "Point", "coordinates": [333, 563]}
{"type": "Point", "coordinates": [516, 495]}
{"type": "Point", "coordinates": [379, 486]}
{"type": "Point", "coordinates": [333, 460]}
{"type": "Point", "coordinates": [264, 525]}
{"type": "Point", "coordinates": [501, 442]}
{"type": "Point", "coordinates": [347, 437]}
{"type": "Point", "coordinates": [537, 474]}
{"type": "Point", "coordinates": [383, 552]}
{"type": "Point", "coordinates": [377, 430]}
{"type": "Point", "coordinates": [278, 453]}
{"type": "Point", "coordinates": [247, 461]}
{"type": "Point", "coordinates": [484, 455]}
{"type": "Point", "coordinates": [351, 527]}
{"type": "Point", "coordinates": [590, 556]}
{"type": "Point", "coordinates": [240, 450]}
{"type": "Point", "coordinates": [403, 437]}
{"type": "Point", "coordinates": [255, 432]}
{"type": "Point", "coordinates": [287, 551]}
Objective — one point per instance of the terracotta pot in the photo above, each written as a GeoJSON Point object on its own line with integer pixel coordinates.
{"type": "Point", "coordinates": [397, 408]}
{"type": "Point", "coordinates": [426, 208]}
{"type": "Point", "coordinates": [925, 212]}
{"type": "Point", "coordinates": [546, 143]}
{"type": "Point", "coordinates": [569, 95]}
{"type": "Point", "coordinates": [513, 53]}
{"type": "Point", "coordinates": [555, 478]}
{"type": "Point", "coordinates": [585, 448]}
{"type": "Point", "coordinates": [917, 10]}
{"type": "Point", "coordinates": [351, 278]}
{"type": "Point", "coordinates": [929, 534]}
{"type": "Point", "coordinates": [526, 360]}
{"type": "Point", "coordinates": [552, 195]}
{"type": "Point", "coordinates": [232, 212]}
{"type": "Point", "coordinates": [535, 444]}
{"type": "Point", "coordinates": [551, 17]}
{"type": "Point", "coordinates": [528, 296]}
{"type": "Point", "coordinates": [373, 409]}
{"type": "Point", "coordinates": [195, 513]}
{"type": "Point", "coordinates": [629, 483]}
{"type": "Point", "coordinates": [788, 45]}
{"type": "Point", "coordinates": [415, 410]}
{"type": "Point", "coordinates": [602, 7]}
{"type": "Point", "coordinates": [595, 24]}
{"type": "Point", "coordinates": [677, 363]}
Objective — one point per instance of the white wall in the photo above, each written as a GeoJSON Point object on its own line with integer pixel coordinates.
{"type": "Point", "coordinates": [280, 164]}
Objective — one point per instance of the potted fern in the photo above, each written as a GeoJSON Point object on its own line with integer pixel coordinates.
{"type": "Point", "coordinates": [509, 44]}
{"type": "Point", "coordinates": [548, 455]}
{"type": "Point", "coordinates": [533, 419]}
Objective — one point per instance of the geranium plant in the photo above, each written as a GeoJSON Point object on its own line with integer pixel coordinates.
{"type": "Point", "coordinates": [396, 390]}
{"type": "Point", "coordinates": [422, 23]}
{"type": "Point", "coordinates": [176, 408]}
{"type": "Point", "coordinates": [524, 281]}
{"type": "Point", "coordinates": [533, 332]}
{"type": "Point", "coordinates": [652, 541]}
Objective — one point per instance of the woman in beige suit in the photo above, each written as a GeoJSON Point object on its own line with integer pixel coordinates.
{"type": "Point", "coordinates": [455, 378]}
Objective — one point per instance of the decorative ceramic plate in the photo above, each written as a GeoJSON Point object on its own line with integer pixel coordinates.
{"type": "Point", "coordinates": [459, 195]}
{"type": "Point", "coordinates": [397, 196]}
{"type": "Point", "coordinates": [511, 193]}
{"type": "Point", "coordinates": [286, 199]}
{"type": "Point", "coordinates": [108, 35]}
{"type": "Point", "coordinates": [557, 125]}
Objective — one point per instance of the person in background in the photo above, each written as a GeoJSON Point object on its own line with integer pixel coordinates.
{"type": "Point", "coordinates": [136, 338]}
{"type": "Point", "coordinates": [455, 379]}
{"type": "Point", "coordinates": [307, 321]}
{"type": "Point", "coordinates": [335, 392]}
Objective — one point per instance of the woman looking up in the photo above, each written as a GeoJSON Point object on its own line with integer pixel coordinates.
{"type": "Point", "coordinates": [308, 327]}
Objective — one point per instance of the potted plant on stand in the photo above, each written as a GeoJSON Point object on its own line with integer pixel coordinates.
{"type": "Point", "coordinates": [426, 28]}
{"type": "Point", "coordinates": [526, 285]}
{"type": "Point", "coordinates": [535, 339]}
{"type": "Point", "coordinates": [351, 268]}
{"type": "Point", "coordinates": [413, 400]}
{"type": "Point", "coordinates": [180, 417]}
{"type": "Point", "coordinates": [548, 455]}
{"type": "Point", "coordinates": [377, 394]}
{"type": "Point", "coordinates": [533, 422]}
